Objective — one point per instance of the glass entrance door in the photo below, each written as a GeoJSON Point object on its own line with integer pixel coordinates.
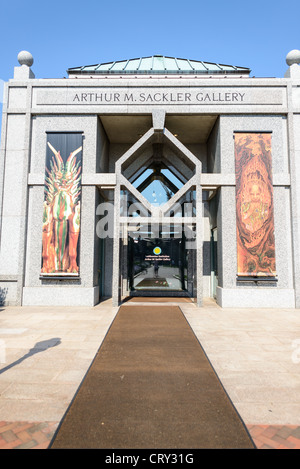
{"type": "Point", "coordinates": [157, 263]}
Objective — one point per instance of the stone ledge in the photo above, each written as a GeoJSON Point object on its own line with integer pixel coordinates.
{"type": "Point", "coordinates": [259, 297]}
{"type": "Point", "coordinates": [60, 296]}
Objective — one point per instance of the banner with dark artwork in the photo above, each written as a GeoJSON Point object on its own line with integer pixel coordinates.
{"type": "Point", "coordinates": [62, 197]}
{"type": "Point", "coordinates": [254, 205]}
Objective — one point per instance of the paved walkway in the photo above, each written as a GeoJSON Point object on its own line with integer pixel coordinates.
{"type": "Point", "coordinates": [45, 353]}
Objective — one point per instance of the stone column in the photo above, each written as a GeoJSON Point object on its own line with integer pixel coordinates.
{"type": "Point", "coordinates": [226, 222]}
{"type": "Point", "coordinates": [293, 127]}
{"type": "Point", "coordinates": [199, 241]}
{"type": "Point", "coordinates": [15, 156]}
{"type": "Point", "coordinates": [116, 296]}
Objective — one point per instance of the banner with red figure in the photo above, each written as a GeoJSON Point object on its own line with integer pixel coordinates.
{"type": "Point", "coordinates": [254, 205]}
{"type": "Point", "coordinates": [62, 197]}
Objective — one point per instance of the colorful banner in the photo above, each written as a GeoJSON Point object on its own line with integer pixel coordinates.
{"type": "Point", "coordinates": [254, 205]}
{"type": "Point", "coordinates": [61, 216]}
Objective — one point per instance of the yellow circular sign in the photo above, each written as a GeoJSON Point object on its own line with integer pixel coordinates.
{"type": "Point", "coordinates": [157, 250]}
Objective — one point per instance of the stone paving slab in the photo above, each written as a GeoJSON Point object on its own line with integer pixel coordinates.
{"type": "Point", "coordinates": [254, 353]}
{"type": "Point", "coordinates": [45, 356]}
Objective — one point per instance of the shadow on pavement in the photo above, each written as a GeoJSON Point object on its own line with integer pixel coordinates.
{"type": "Point", "coordinates": [38, 347]}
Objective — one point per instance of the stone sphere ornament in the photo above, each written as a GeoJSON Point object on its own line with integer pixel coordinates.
{"type": "Point", "coordinates": [293, 57]}
{"type": "Point", "coordinates": [25, 58]}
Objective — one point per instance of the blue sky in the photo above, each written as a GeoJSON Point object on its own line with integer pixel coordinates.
{"type": "Point", "coordinates": [63, 34]}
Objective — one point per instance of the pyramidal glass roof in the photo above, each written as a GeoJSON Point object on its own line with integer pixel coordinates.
{"type": "Point", "coordinates": [158, 64]}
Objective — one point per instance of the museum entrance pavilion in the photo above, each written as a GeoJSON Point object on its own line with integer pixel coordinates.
{"type": "Point", "coordinates": [158, 218]}
{"type": "Point", "coordinates": [193, 163]}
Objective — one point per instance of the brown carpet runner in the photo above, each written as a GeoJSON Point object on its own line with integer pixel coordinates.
{"type": "Point", "coordinates": [151, 386]}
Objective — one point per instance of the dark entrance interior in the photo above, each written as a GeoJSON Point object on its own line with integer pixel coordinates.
{"type": "Point", "coordinates": [157, 264]}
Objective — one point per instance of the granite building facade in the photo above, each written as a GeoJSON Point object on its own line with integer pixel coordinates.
{"type": "Point", "coordinates": [154, 176]}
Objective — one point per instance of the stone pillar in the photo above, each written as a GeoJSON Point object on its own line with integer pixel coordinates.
{"type": "Point", "coordinates": [293, 123]}
{"type": "Point", "coordinates": [15, 146]}
{"type": "Point", "coordinates": [199, 241]}
{"type": "Point", "coordinates": [116, 296]}
{"type": "Point", "coordinates": [226, 222]}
